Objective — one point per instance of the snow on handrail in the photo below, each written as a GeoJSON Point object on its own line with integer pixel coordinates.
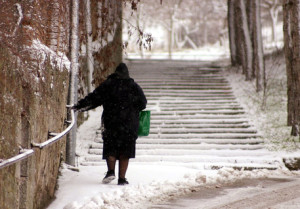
{"type": "Point", "coordinates": [24, 153]}
{"type": "Point", "coordinates": [57, 136]}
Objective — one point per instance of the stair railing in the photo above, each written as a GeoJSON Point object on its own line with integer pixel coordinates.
{"type": "Point", "coordinates": [57, 136]}
{"type": "Point", "coordinates": [25, 153]}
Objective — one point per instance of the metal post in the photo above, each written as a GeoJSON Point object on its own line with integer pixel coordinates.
{"type": "Point", "coordinates": [71, 138]}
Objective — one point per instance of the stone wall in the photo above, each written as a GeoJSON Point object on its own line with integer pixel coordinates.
{"type": "Point", "coordinates": [30, 107]}
{"type": "Point", "coordinates": [33, 87]}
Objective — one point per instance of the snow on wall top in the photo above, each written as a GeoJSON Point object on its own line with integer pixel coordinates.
{"type": "Point", "coordinates": [57, 60]}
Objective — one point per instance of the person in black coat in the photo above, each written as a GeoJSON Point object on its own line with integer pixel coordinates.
{"type": "Point", "coordinates": [122, 100]}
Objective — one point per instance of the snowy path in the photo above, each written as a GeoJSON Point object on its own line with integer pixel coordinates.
{"type": "Point", "coordinates": [194, 118]}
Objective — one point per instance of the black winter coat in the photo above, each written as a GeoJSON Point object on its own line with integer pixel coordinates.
{"type": "Point", "coordinates": [122, 100]}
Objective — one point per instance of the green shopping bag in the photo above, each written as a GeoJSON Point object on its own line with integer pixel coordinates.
{"type": "Point", "coordinates": [144, 124]}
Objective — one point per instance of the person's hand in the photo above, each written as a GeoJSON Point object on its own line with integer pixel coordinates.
{"type": "Point", "coordinates": [75, 108]}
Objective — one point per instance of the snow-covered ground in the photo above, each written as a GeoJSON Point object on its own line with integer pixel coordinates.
{"type": "Point", "coordinates": [149, 183]}
{"type": "Point", "coordinates": [152, 183]}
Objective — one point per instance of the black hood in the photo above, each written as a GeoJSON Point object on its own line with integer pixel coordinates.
{"type": "Point", "coordinates": [122, 71]}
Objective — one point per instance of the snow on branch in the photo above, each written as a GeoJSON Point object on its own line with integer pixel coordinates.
{"type": "Point", "coordinates": [144, 40]}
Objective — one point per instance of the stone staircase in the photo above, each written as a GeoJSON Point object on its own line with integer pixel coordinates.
{"type": "Point", "coordinates": [195, 119]}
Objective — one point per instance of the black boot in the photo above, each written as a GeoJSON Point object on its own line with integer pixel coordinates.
{"type": "Point", "coordinates": [122, 181]}
{"type": "Point", "coordinates": [110, 175]}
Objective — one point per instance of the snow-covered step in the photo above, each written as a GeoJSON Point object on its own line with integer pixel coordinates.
{"type": "Point", "coordinates": [264, 159]}
{"type": "Point", "coordinates": [181, 91]}
{"type": "Point", "coordinates": [198, 121]}
{"type": "Point", "coordinates": [195, 118]}
{"type": "Point", "coordinates": [185, 82]}
{"type": "Point", "coordinates": [215, 153]}
{"type": "Point", "coordinates": [194, 152]}
{"type": "Point", "coordinates": [156, 107]}
{"type": "Point", "coordinates": [189, 102]}
{"type": "Point", "coordinates": [202, 158]}
{"type": "Point", "coordinates": [182, 83]}
{"type": "Point", "coordinates": [203, 146]}
{"type": "Point", "coordinates": [178, 78]}
{"type": "Point", "coordinates": [184, 79]}
{"type": "Point", "coordinates": [176, 106]}
{"type": "Point", "coordinates": [175, 76]}
{"type": "Point", "coordinates": [202, 130]}
{"type": "Point", "coordinates": [213, 128]}
{"type": "Point", "coordinates": [217, 110]}
{"type": "Point", "coordinates": [168, 86]}
{"type": "Point", "coordinates": [201, 121]}
{"type": "Point", "coordinates": [188, 94]}
{"type": "Point", "coordinates": [192, 141]}
{"type": "Point", "coordinates": [205, 136]}
{"type": "Point", "coordinates": [198, 139]}
{"type": "Point", "coordinates": [183, 97]}
{"type": "Point", "coordinates": [199, 111]}
{"type": "Point", "coordinates": [185, 136]}
{"type": "Point", "coordinates": [204, 72]}
{"type": "Point", "coordinates": [206, 125]}
{"type": "Point", "coordinates": [199, 79]}
{"type": "Point", "coordinates": [172, 75]}
{"type": "Point", "coordinates": [198, 107]}
{"type": "Point", "coordinates": [209, 98]}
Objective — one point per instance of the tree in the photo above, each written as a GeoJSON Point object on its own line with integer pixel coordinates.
{"type": "Point", "coordinates": [274, 7]}
{"type": "Point", "coordinates": [232, 33]}
{"type": "Point", "coordinates": [240, 58]}
{"type": "Point", "coordinates": [243, 32]}
{"type": "Point", "coordinates": [291, 22]}
{"type": "Point", "coordinates": [249, 11]}
{"type": "Point", "coordinates": [193, 23]}
{"type": "Point", "coordinates": [258, 54]}
{"type": "Point", "coordinates": [164, 15]}
{"type": "Point", "coordinates": [138, 25]}
{"type": "Point", "coordinates": [172, 12]}
{"type": "Point", "coordinates": [245, 38]}
{"type": "Point", "coordinates": [207, 20]}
